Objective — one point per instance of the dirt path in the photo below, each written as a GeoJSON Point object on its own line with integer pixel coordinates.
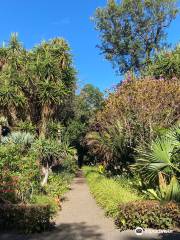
{"type": "Point", "coordinates": [82, 219]}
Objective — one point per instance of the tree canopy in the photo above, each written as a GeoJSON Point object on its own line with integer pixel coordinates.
{"type": "Point", "coordinates": [131, 31]}
{"type": "Point", "coordinates": [39, 81]}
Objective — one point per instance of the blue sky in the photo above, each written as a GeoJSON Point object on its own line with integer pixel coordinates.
{"type": "Point", "coordinates": [36, 20]}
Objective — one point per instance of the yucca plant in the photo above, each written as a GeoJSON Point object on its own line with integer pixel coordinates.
{"type": "Point", "coordinates": [159, 163]}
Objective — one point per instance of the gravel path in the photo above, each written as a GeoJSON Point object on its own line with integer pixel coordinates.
{"type": "Point", "coordinates": [82, 219]}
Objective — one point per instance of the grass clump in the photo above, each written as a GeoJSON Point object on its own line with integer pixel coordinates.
{"type": "Point", "coordinates": [108, 192]}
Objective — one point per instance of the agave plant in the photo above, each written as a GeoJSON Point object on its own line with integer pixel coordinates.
{"type": "Point", "coordinates": [23, 138]}
{"type": "Point", "coordinates": [159, 162]}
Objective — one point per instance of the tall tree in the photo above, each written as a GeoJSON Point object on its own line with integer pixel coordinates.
{"type": "Point", "coordinates": [43, 78]}
{"type": "Point", "coordinates": [89, 101]}
{"type": "Point", "coordinates": [131, 31]}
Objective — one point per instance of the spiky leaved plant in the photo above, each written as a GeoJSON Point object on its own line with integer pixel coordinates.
{"type": "Point", "coordinates": [160, 163]}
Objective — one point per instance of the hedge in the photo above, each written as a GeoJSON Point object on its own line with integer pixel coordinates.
{"type": "Point", "coordinates": [26, 218]}
{"type": "Point", "coordinates": [148, 214]}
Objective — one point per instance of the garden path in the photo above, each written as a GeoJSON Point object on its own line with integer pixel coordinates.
{"type": "Point", "coordinates": [82, 219]}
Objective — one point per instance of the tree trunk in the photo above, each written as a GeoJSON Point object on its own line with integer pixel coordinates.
{"type": "Point", "coordinates": [35, 112]}
{"type": "Point", "coordinates": [45, 171]}
{"type": "Point", "coordinates": [0, 132]}
{"type": "Point", "coordinates": [46, 115]}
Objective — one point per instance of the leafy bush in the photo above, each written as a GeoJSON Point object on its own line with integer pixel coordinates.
{"type": "Point", "coordinates": [165, 65]}
{"type": "Point", "coordinates": [54, 129]}
{"type": "Point", "coordinates": [46, 200]}
{"type": "Point", "coordinates": [148, 214]}
{"type": "Point", "coordinates": [108, 192]}
{"type": "Point", "coordinates": [111, 147]}
{"type": "Point", "coordinates": [26, 218]}
{"type": "Point", "coordinates": [58, 184]}
{"type": "Point", "coordinates": [26, 126]}
{"type": "Point", "coordinates": [142, 107]}
{"type": "Point", "coordinates": [19, 173]}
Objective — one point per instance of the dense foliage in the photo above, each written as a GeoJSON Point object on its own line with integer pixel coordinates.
{"type": "Point", "coordinates": [35, 85]}
{"type": "Point", "coordinates": [133, 114]}
{"type": "Point", "coordinates": [165, 65]}
{"type": "Point", "coordinates": [26, 218]}
{"type": "Point", "coordinates": [159, 163]}
{"type": "Point", "coordinates": [108, 192]}
{"type": "Point", "coordinates": [87, 103]}
{"type": "Point", "coordinates": [148, 214]}
{"type": "Point", "coordinates": [133, 134]}
{"type": "Point", "coordinates": [36, 164]}
{"type": "Point", "coordinates": [131, 31]}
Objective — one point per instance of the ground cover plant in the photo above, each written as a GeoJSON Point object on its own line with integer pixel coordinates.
{"type": "Point", "coordinates": [108, 192]}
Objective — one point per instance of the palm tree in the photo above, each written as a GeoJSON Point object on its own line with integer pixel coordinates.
{"type": "Point", "coordinates": [160, 162]}
{"type": "Point", "coordinates": [111, 146]}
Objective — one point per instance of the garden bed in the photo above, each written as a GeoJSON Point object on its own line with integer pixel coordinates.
{"type": "Point", "coordinates": [108, 192]}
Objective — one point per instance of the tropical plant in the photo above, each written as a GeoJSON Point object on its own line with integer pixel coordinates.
{"type": "Point", "coordinates": [160, 162]}
{"type": "Point", "coordinates": [110, 146]}
{"type": "Point", "coordinates": [26, 126]}
{"type": "Point", "coordinates": [55, 130]}
{"type": "Point", "coordinates": [22, 138]}
{"type": "Point", "coordinates": [19, 173]}
{"type": "Point", "coordinates": [41, 79]}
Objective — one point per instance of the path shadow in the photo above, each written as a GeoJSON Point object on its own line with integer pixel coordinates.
{"type": "Point", "coordinates": [70, 231]}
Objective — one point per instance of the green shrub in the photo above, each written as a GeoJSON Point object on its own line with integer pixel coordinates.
{"type": "Point", "coordinates": [26, 218]}
{"type": "Point", "coordinates": [108, 192]}
{"type": "Point", "coordinates": [148, 214]}
{"type": "Point", "coordinates": [19, 173]}
{"type": "Point", "coordinates": [54, 128]}
{"type": "Point", "coordinates": [58, 184]}
{"type": "Point", "coordinates": [26, 126]}
{"type": "Point", "coordinates": [46, 200]}
{"type": "Point", "coordinates": [165, 64]}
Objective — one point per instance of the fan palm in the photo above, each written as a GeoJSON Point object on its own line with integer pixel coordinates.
{"type": "Point", "coordinates": [160, 162]}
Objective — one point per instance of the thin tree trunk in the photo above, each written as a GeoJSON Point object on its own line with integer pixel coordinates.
{"type": "Point", "coordinates": [46, 115]}
{"type": "Point", "coordinates": [0, 132]}
{"type": "Point", "coordinates": [45, 171]}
